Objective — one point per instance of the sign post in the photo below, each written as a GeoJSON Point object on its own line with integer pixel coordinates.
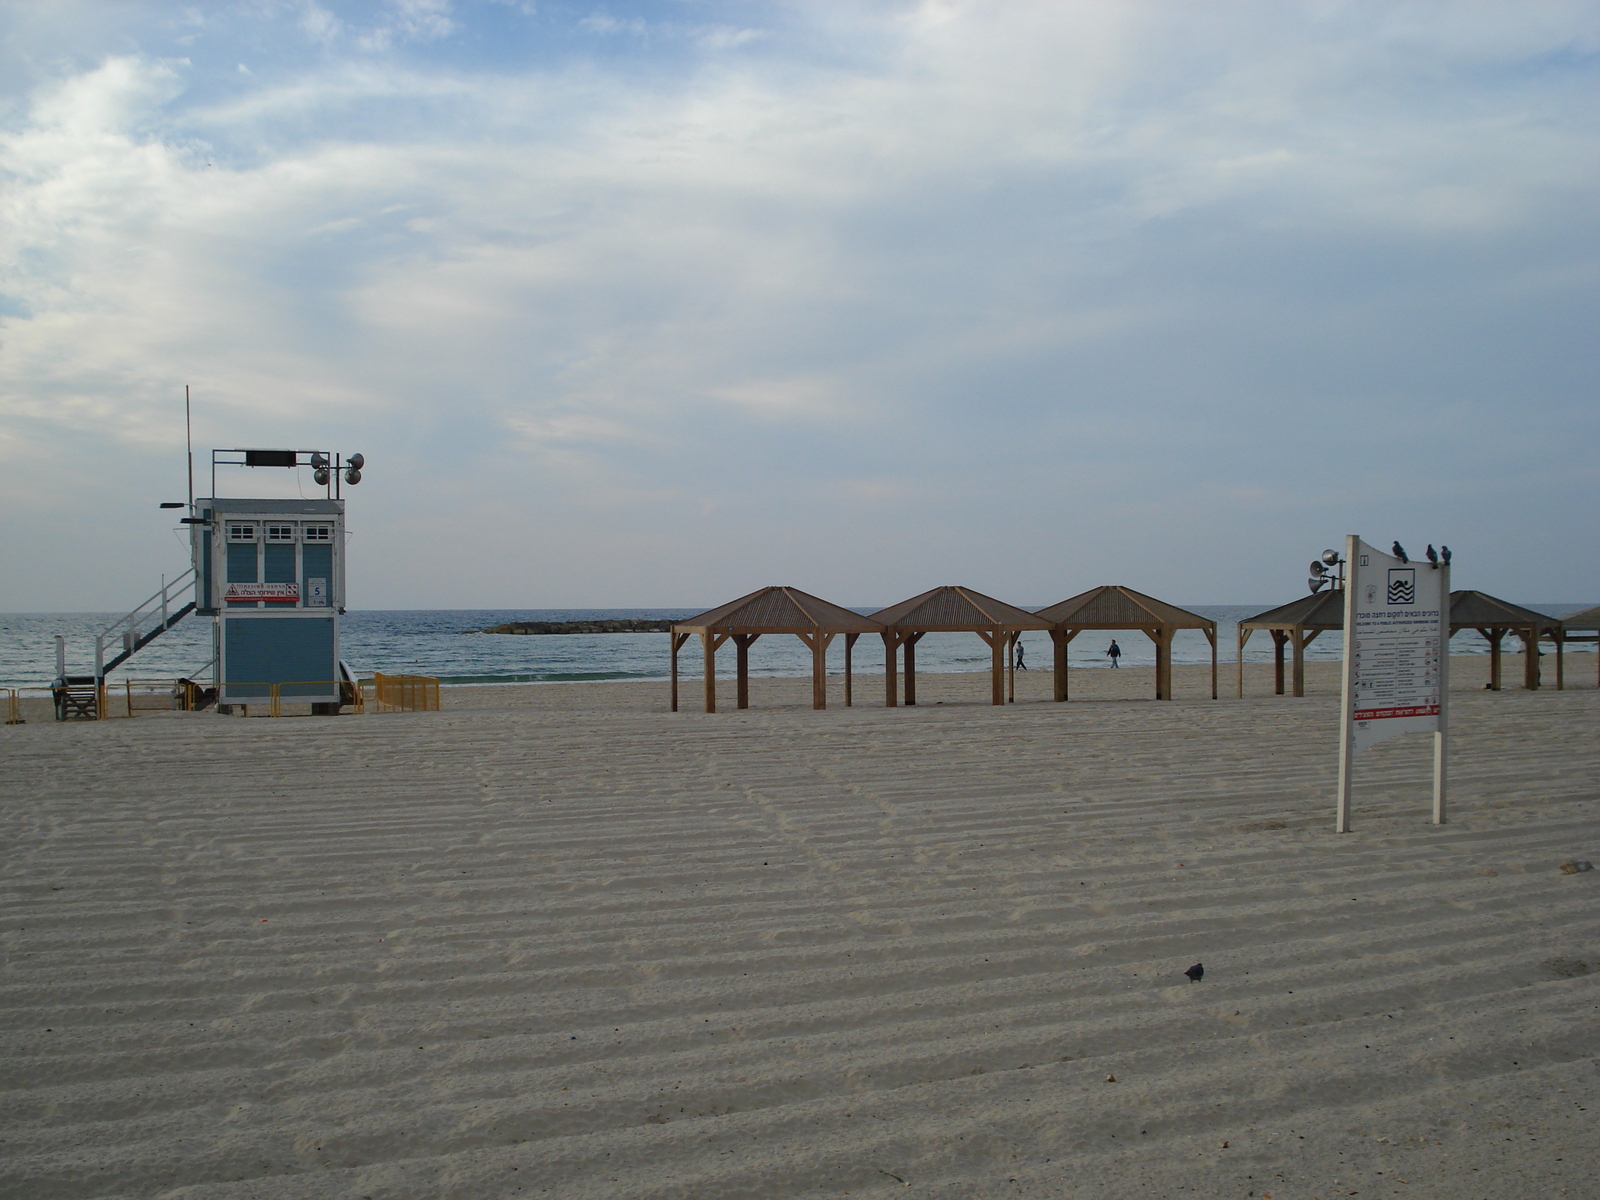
{"type": "Point", "coordinates": [1396, 661]}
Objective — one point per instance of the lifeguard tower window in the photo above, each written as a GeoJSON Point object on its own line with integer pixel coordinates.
{"type": "Point", "coordinates": [241, 533]}
{"type": "Point", "coordinates": [280, 533]}
{"type": "Point", "coordinates": [319, 533]}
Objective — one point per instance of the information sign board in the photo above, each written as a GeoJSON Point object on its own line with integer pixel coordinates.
{"type": "Point", "coordinates": [1398, 644]}
{"type": "Point", "coordinates": [1396, 659]}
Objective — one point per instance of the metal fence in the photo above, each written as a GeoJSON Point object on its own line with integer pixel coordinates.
{"type": "Point", "coordinates": [405, 693]}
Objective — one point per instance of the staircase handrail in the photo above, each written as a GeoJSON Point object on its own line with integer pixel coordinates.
{"type": "Point", "coordinates": [168, 595]}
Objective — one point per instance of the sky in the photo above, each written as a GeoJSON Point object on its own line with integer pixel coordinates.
{"type": "Point", "coordinates": [652, 304]}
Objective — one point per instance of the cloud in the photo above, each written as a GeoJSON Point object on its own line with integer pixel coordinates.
{"type": "Point", "coordinates": [1027, 259]}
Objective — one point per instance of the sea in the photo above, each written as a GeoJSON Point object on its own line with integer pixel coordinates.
{"type": "Point", "coordinates": [450, 645]}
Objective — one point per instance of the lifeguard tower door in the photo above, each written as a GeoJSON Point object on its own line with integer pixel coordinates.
{"type": "Point", "coordinates": [271, 574]}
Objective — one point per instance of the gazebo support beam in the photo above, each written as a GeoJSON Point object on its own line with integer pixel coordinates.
{"type": "Point", "coordinates": [711, 640]}
{"type": "Point", "coordinates": [1492, 635]}
{"type": "Point", "coordinates": [911, 669]}
{"type": "Point", "coordinates": [995, 639]}
{"type": "Point", "coordinates": [1162, 637]}
{"type": "Point", "coordinates": [1211, 636]}
{"type": "Point", "coordinates": [678, 639]}
{"type": "Point", "coordinates": [849, 645]}
{"type": "Point", "coordinates": [1244, 636]}
{"type": "Point", "coordinates": [742, 642]}
{"type": "Point", "coordinates": [1280, 638]}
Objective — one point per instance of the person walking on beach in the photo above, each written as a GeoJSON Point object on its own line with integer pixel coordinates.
{"type": "Point", "coordinates": [1114, 652]}
{"type": "Point", "coordinates": [1021, 666]}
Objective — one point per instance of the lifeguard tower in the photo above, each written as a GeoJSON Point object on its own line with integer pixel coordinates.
{"type": "Point", "coordinates": [270, 573]}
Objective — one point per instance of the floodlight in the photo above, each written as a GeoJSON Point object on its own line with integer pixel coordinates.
{"type": "Point", "coordinates": [1331, 557]}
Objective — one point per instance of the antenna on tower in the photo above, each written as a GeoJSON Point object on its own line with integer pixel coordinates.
{"type": "Point", "coordinates": [188, 434]}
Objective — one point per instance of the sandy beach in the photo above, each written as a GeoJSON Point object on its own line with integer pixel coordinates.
{"type": "Point", "coordinates": [555, 940]}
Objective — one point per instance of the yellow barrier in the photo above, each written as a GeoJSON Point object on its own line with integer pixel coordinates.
{"type": "Point", "coordinates": [405, 693]}
{"type": "Point", "coordinates": [275, 697]}
{"type": "Point", "coordinates": [13, 707]}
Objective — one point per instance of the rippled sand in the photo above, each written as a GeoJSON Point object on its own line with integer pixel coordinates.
{"type": "Point", "coordinates": [557, 941]}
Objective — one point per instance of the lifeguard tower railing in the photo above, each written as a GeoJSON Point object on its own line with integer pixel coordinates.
{"type": "Point", "coordinates": [145, 623]}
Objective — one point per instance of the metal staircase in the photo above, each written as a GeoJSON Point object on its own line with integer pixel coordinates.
{"type": "Point", "coordinates": [84, 695]}
{"type": "Point", "coordinates": [145, 623]}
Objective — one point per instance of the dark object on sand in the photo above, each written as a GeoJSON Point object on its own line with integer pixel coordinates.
{"type": "Point", "coordinates": [1576, 866]}
{"type": "Point", "coordinates": [1196, 973]}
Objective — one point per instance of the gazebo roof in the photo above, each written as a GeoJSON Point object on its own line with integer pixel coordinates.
{"type": "Point", "coordinates": [957, 609]}
{"type": "Point", "coordinates": [1481, 610]}
{"type": "Point", "coordinates": [779, 610]}
{"type": "Point", "coordinates": [1324, 610]}
{"type": "Point", "coordinates": [1117, 607]}
{"type": "Point", "coordinates": [1589, 618]}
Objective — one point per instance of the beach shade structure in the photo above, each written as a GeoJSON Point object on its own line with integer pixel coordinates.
{"type": "Point", "coordinates": [1580, 627]}
{"type": "Point", "coordinates": [952, 610]}
{"type": "Point", "coordinates": [1117, 607]}
{"type": "Point", "coordinates": [771, 610]}
{"type": "Point", "coordinates": [1493, 618]}
{"type": "Point", "coordinates": [1295, 625]}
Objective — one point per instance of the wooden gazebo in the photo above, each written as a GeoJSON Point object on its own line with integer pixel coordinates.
{"type": "Point", "coordinates": [1580, 627]}
{"type": "Point", "coordinates": [1295, 625]}
{"type": "Point", "coordinates": [1493, 618]}
{"type": "Point", "coordinates": [771, 610]}
{"type": "Point", "coordinates": [1115, 607]}
{"type": "Point", "coordinates": [950, 610]}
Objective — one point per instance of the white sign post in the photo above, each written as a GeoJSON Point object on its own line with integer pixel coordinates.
{"type": "Point", "coordinates": [1396, 660]}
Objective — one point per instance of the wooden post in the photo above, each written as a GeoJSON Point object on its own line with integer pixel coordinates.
{"type": "Point", "coordinates": [819, 669]}
{"type": "Point", "coordinates": [1530, 658]}
{"type": "Point", "coordinates": [1561, 666]}
{"type": "Point", "coordinates": [849, 645]}
{"type": "Point", "coordinates": [911, 669]}
{"type": "Point", "coordinates": [1244, 636]}
{"type": "Point", "coordinates": [1162, 637]}
{"type": "Point", "coordinates": [1211, 636]}
{"type": "Point", "coordinates": [1279, 637]}
{"type": "Point", "coordinates": [1298, 637]}
{"type": "Point", "coordinates": [672, 640]}
{"type": "Point", "coordinates": [997, 649]}
{"type": "Point", "coordinates": [677, 641]}
{"type": "Point", "coordinates": [1011, 667]}
{"type": "Point", "coordinates": [891, 669]}
{"type": "Point", "coordinates": [1058, 647]}
{"type": "Point", "coordinates": [741, 643]}
{"type": "Point", "coordinates": [1493, 636]}
{"type": "Point", "coordinates": [710, 640]}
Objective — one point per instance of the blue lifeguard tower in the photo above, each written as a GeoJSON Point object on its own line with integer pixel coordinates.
{"type": "Point", "coordinates": [270, 573]}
